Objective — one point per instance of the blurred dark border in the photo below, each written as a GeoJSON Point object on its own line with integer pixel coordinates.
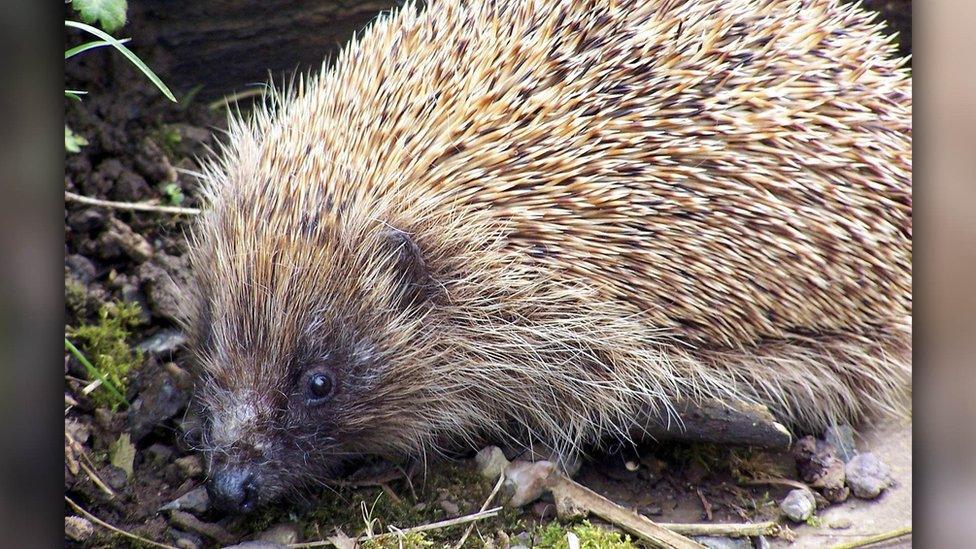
{"type": "Point", "coordinates": [31, 279]}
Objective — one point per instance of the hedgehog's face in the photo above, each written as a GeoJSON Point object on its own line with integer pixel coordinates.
{"type": "Point", "coordinates": [299, 373]}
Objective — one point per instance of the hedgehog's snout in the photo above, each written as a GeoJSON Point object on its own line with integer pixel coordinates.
{"type": "Point", "coordinates": [234, 489]}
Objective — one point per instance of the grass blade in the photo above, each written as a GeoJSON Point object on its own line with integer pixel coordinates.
{"type": "Point", "coordinates": [127, 53]}
{"type": "Point", "coordinates": [93, 371]}
{"type": "Point", "coordinates": [90, 46]}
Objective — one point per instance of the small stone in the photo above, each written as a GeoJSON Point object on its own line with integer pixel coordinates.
{"type": "Point", "coordinates": [113, 476]}
{"type": "Point", "coordinates": [631, 465]}
{"type": "Point", "coordinates": [543, 510]}
{"type": "Point", "coordinates": [162, 281]}
{"type": "Point", "coordinates": [762, 543]}
{"type": "Point", "coordinates": [186, 521]}
{"type": "Point", "coordinates": [78, 528]}
{"type": "Point", "coordinates": [256, 544]}
{"type": "Point", "coordinates": [285, 533]}
{"type": "Point", "coordinates": [186, 540]}
{"type": "Point", "coordinates": [159, 455]}
{"type": "Point", "coordinates": [716, 542]}
{"type": "Point", "coordinates": [80, 267]}
{"type": "Point", "coordinates": [841, 437]}
{"type": "Point", "coordinates": [491, 462]}
{"type": "Point", "coordinates": [818, 465]}
{"type": "Point", "coordinates": [196, 501]}
{"type": "Point", "coordinates": [798, 505]}
{"type": "Point", "coordinates": [191, 466]}
{"type": "Point", "coordinates": [522, 539]}
{"type": "Point", "coordinates": [161, 397]}
{"type": "Point", "coordinates": [867, 475]}
{"type": "Point", "coordinates": [449, 507]}
{"type": "Point", "coordinates": [163, 341]}
{"type": "Point", "coordinates": [526, 481]}
{"type": "Point", "coordinates": [840, 523]}
{"type": "Point", "coordinates": [119, 239]}
{"type": "Point", "coordinates": [653, 511]}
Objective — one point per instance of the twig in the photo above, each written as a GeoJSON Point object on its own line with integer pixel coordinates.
{"type": "Point", "coordinates": [133, 206]}
{"type": "Point", "coordinates": [422, 528]}
{"type": "Point", "coordinates": [104, 524]}
{"type": "Point", "coordinates": [389, 492]}
{"type": "Point", "coordinates": [705, 505]}
{"type": "Point", "coordinates": [491, 496]}
{"type": "Point", "coordinates": [574, 499]}
{"type": "Point", "coordinates": [741, 530]}
{"type": "Point", "coordinates": [871, 540]}
{"type": "Point", "coordinates": [775, 481]}
{"type": "Point", "coordinates": [95, 478]}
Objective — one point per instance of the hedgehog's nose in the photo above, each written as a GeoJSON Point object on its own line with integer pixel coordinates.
{"type": "Point", "coordinates": [234, 490]}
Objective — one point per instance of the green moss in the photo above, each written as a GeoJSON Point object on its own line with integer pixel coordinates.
{"type": "Point", "coordinates": [106, 346]}
{"type": "Point", "coordinates": [406, 541]}
{"type": "Point", "coordinates": [169, 139]}
{"type": "Point", "coordinates": [76, 299]}
{"type": "Point", "coordinates": [553, 536]}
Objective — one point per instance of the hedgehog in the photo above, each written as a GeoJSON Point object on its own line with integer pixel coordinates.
{"type": "Point", "coordinates": [532, 221]}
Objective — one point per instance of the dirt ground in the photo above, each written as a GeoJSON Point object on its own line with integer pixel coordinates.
{"type": "Point", "coordinates": [126, 463]}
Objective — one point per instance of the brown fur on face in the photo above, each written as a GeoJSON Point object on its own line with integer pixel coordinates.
{"type": "Point", "coordinates": [534, 219]}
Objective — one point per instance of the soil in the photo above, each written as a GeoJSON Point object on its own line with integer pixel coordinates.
{"type": "Point", "coordinates": [139, 146]}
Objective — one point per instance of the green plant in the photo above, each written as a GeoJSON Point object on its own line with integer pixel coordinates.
{"type": "Point", "coordinates": [112, 356]}
{"type": "Point", "coordinates": [174, 194]}
{"type": "Point", "coordinates": [110, 15]}
{"type": "Point", "coordinates": [553, 536]}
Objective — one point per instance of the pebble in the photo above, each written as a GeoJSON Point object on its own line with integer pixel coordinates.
{"type": "Point", "coordinates": [186, 540]}
{"type": "Point", "coordinates": [818, 465]}
{"type": "Point", "coordinates": [160, 398]}
{"type": "Point", "coordinates": [256, 544]}
{"type": "Point", "coordinates": [163, 341]}
{"type": "Point", "coordinates": [449, 507]}
{"type": "Point", "coordinates": [841, 437]}
{"type": "Point", "coordinates": [159, 454]}
{"type": "Point", "coordinates": [119, 239]}
{"type": "Point", "coordinates": [78, 528]}
{"type": "Point", "coordinates": [867, 476]}
{"type": "Point", "coordinates": [285, 533]}
{"type": "Point", "coordinates": [491, 462]}
{"type": "Point", "coordinates": [196, 501]}
{"type": "Point", "coordinates": [716, 542]}
{"type": "Point", "coordinates": [543, 510]}
{"type": "Point", "coordinates": [840, 523]}
{"type": "Point", "coordinates": [526, 481]}
{"type": "Point", "coordinates": [113, 476]}
{"type": "Point", "coordinates": [162, 279]}
{"type": "Point", "coordinates": [798, 505]}
{"type": "Point", "coordinates": [186, 521]}
{"type": "Point", "coordinates": [191, 466]}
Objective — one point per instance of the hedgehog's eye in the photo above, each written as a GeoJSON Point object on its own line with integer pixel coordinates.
{"type": "Point", "coordinates": [321, 385]}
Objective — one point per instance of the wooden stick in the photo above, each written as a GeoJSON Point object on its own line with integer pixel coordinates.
{"type": "Point", "coordinates": [735, 530]}
{"type": "Point", "coordinates": [574, 499]}
{"type": "Point", "coordinates": [132, 206]}
{"type": "Point", "coordinates": [491, 496]}
{"type": "Point", "coordinates": [871, 540]}
{"type": "Point", "coordinates": [716, 422]}
{"type": "Point", "coordinates": [422, 528]}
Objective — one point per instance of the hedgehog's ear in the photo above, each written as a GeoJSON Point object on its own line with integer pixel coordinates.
{"type": "Point", "coordinates": [414, 284]}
